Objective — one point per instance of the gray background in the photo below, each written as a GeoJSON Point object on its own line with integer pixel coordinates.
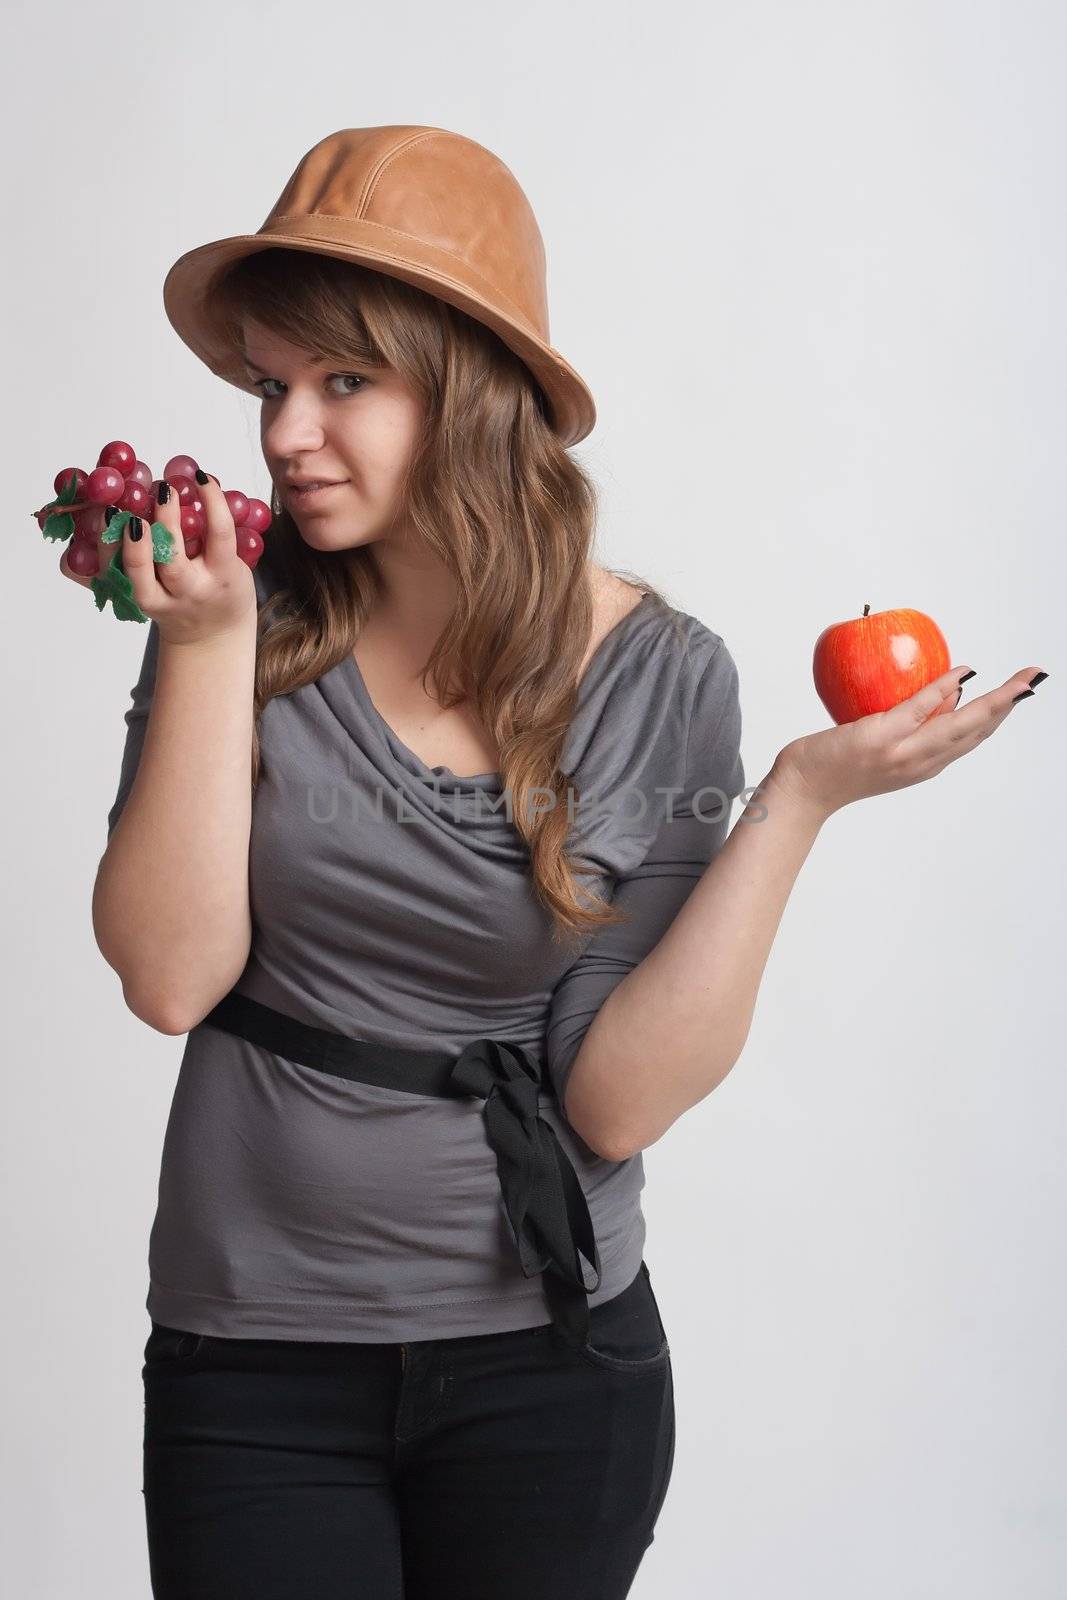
{"type": "Point", "coordinates": [810, 259]}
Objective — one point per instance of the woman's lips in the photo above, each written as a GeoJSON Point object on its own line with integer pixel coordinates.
{"type": "Point", "coordinates": [312, 497]}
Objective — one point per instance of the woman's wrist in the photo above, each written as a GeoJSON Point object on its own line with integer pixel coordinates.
{"type": "Point", "coordinates": [784, 787]}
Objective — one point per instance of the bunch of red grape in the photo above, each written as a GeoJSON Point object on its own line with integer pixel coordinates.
{"type": "Point", "coordinates": [94, 506]}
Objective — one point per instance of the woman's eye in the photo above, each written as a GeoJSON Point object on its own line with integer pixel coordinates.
{"type": "Point", "coordinates": [345, 377]}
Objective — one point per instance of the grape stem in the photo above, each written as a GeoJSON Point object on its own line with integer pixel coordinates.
{"type": "Point", "coordinates": [53, 505]}
{"type": "Point", "coordinates": [75, 505]}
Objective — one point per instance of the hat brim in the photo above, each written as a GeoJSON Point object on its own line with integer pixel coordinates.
{"type": "Point", "coordinates": [187, 293]}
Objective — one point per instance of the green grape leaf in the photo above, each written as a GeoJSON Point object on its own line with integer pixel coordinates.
{"type": "Point", "coordinates": [114, 585]}
{"type": "Point", "coordinates": [127, 609]}
{"type": "Point", "coordinates": [60, 525]}
{"type": "Point", "coordinates": [162, 543]}
{"type": "Point", "coordinates": [117, 573]}
{"type": "Point", "coordinates": [162, 538]}
{"type": "Point", "coordinates": [113, 532]}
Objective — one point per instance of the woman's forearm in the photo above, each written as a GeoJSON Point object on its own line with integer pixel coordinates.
{"type": "Point", "coordinates": [674, 1027]}
{"type": "Point", "coordinates": [171, 907]}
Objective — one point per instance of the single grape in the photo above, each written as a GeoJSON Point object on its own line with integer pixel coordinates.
{"type": "Point", "coordinates": [194, 546]}
{"type": "Point", "coordinates": [89, 523]}
{"type": "Point", "coordinates": [134, 498]}
{"type": "Point", "coordinates": [141, 473]}
{"type": "Point", "coordinates": [238, 504]}
{"type": "Point", "coordinates": [83, 558]}
{"type": "Point", "coordinates": [104, 485]}
{"type": "Point", "coordinates": [118, 454]}
{"type": "Point", "coordinates": [63, 478]}
{"type": "Point", "coordinates": [194, 523]}
{"type": "Point", "coordinates": [180, 467]}
{"type": "Point", "coordinates": [249, 546]}
{"type": "Point", "coordinates": [186, 488]}
{"type": "Point", "coordinates": [258, 518]}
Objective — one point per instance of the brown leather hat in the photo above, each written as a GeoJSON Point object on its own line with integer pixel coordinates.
{"type": "Point", "coordinates": [430, 207]}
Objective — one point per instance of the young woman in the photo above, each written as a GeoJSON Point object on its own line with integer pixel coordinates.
{"type": "Point", "coordinates": [421, 836]}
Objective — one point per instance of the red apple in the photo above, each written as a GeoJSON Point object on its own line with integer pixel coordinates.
{"type": "Point", "coordinates": [870, 663]}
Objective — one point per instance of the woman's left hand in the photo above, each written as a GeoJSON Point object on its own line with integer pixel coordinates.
{"type": "Point", "coordinates": [893, 749]}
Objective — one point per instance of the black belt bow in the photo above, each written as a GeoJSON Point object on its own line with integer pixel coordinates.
{"type": "Point", "coordinates": [544, 1201]}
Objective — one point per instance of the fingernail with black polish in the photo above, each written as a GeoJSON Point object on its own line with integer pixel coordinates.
{"type": "Point", "coordinates": [1039, 679]}
{"type": "Point", "coordinates": [136, 527]}
{"type": "Point", "coordinates": [201, 475]}
{"type": "Point", "coordinates": [1026, 694]}
{"type": "Point", "coordinates": [967, 675]}
{"type": "Point", "coordinates": [163, 493]}
{"type": "Point", "coordinates": [109, 512]}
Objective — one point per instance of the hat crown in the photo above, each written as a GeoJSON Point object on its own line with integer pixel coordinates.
{"type": "Point", "coordinates": [423, 205]}
{"type": "Point", "coordinates": [427, 186]}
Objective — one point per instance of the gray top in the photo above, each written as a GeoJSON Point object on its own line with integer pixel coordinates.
{"type": "Point", "coordinates": [391, 901]}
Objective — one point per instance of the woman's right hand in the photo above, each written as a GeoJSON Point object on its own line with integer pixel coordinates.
{"type": "Point", "coordinates": [189, 599]}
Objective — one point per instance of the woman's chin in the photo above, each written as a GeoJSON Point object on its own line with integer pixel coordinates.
{"type": "Point", "coordinates": [329, 534]}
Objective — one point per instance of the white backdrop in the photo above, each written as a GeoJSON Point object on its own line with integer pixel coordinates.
{"type": "Point", "coordinates": [810, 259]}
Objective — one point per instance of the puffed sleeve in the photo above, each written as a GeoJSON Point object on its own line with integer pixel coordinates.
{"type": "Point", "coordinates": [652, 894]}
{"type": "Point", "coordinates": [136, 723]}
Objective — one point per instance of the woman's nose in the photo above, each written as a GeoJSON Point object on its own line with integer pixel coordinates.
{"type": "Point", "coordinates": [293, 434]}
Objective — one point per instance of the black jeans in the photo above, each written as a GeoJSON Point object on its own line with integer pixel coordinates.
{"type": "Point", "coordinates": [500, 1466]}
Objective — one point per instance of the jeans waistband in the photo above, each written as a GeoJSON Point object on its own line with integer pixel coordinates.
{"type": "Point", "coordinates": [543, 1199]}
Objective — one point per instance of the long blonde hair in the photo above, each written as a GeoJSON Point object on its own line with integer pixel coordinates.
{"type": "Point", "coordinates": [498, 500]}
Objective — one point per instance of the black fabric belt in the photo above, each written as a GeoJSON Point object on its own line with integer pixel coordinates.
{"type": "Point", "coordinates": [543, 1199]}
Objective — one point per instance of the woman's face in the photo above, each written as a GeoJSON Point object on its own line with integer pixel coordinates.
{"type": "Point", "coordinates": [353, 428]}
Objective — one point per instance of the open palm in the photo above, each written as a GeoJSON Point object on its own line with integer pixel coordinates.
{"type": "Point", "coordinates": [893, 749]}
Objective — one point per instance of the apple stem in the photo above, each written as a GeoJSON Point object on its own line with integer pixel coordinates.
{"type": "Point", "coordinates": [866, 609]}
